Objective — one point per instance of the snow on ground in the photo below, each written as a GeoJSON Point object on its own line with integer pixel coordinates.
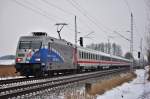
{"type": "Point", "coordinates": [7, 62]}
{"type": "Point", "coordinates": [139, 88]}
{"type": "Point", "coordinates": [14, 77]}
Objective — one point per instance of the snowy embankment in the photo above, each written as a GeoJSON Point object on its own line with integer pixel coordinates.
{"type": "Point", "coordinates": [139, 88]}
{"type": "Point", "coordinates": [7, 62]}
{"type": "Point", "coordinates": [14, 77]}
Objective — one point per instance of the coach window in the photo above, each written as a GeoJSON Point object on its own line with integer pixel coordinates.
{"type": "Point", "coordinates": [89, 55]}
{"type": "Point", "coordinates": [93, 56]}
{"type": "Point", "coordinates": [106, 58]}
{"type": "Point", "coordinates": [86, 55]}
{"type": "Point", "coordinates": [83, 55]}
{"type": "Point", "coordinates": [96, 57]}
{"type": "Point", "coordinates": [102, 57]}
{"type": "Point", "coordinates": [79, 54]}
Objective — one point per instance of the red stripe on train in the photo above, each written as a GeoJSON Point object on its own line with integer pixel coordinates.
{"type": "Point", "coordinates": [101, 62]}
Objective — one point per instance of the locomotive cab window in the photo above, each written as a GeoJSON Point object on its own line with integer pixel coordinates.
{"type": "Point", "coordinates": [36, 44]}
{"type": "Point", "coordinates": [30, 45]}
{"type": "Point", "coordinates": [24, 45]}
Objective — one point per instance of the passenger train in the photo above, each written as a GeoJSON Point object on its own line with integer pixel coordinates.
{"type": "Point", "coordinates": [40, 55]}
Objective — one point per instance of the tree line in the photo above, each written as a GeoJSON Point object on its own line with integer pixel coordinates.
{"type": "Point", "coordinates": [109, 48]}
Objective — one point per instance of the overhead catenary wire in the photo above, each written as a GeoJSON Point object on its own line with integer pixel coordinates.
{"type": "Point", "coordinates": [29, 3]}
{"type": "Point", "coordinates": [44, 13]}
{"type": "Point", "coordinates": [59, 8]}
{"type": "Point", "coordinates": [34, 10]}
{"type": "Point", "coordinates": [90, 16]}
{"type": "Point", "coordinates": [39, 11]}
{"type": "Point", "coordinates": [85, 15]}
{"type": "Point", "coordinates": [65, 11]}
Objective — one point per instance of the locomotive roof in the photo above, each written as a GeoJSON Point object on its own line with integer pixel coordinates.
{"type": "Point", "coordinates": [47, 38]}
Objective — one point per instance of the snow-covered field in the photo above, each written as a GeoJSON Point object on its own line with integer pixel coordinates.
{"type": "Point", "coordinates": [7, 62]}
{"type": "Point", "coordinates": [139, 88]}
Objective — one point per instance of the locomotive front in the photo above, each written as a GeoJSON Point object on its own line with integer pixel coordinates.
{"type": "Point", "coordinates": [28, 58]}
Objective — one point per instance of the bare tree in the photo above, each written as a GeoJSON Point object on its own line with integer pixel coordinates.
{"type": "Point", "coordinates": [107, 48]}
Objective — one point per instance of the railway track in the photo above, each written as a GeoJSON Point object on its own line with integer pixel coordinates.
{"type": "Point", "coordinates": [39, 86]}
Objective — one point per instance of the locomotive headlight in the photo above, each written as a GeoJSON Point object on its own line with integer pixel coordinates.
{"type": "Point", "coordinates": [18, 59]}
{"type": "Point", "coordinates": [37, 59]}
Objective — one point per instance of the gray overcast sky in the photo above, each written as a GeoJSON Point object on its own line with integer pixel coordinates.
{"type": "Point", "coordinates": [20, 17]}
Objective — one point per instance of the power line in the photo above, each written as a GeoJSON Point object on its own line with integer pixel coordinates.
{"type": "Point", "coordinates": [59, 8]}
{"type": "Point", "coordinates": [33, 10]}
{"type": "Point", "coordinates": [90, 16]}
{"type": "Point", "coordinates": [62, 10]}
{"type": "Point", "coordinates": [42, 12]}
{"type": "Point", "coordinates": [85, 15]}
{"type": "Point", "coordinates": [122, 36]}
{"type": "Point", "coordinates": [41, 9]}
{"type": "Point", "coordinates": [36, 11]}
